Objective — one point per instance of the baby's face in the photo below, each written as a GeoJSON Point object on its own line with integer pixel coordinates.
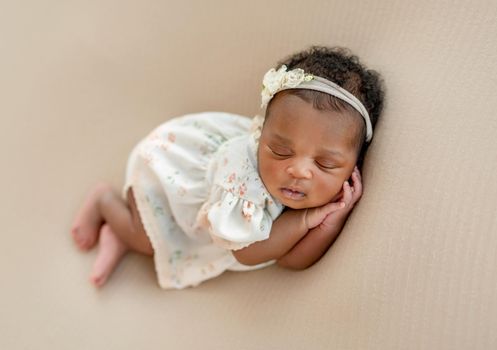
{"type": "Point", "coordinates": [305, 155]}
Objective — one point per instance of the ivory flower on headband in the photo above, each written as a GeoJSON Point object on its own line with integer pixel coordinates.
{"type": "Point", "coordinates": [281, 79]}
{"type": "Point", "coordinates": [277, 80]}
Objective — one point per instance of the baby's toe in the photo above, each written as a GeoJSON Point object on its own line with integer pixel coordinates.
{"type": "Point", "coordinates": [97, 280]}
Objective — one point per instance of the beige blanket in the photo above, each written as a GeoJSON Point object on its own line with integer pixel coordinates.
{"type": "Point", "coordinates": [416, 265]}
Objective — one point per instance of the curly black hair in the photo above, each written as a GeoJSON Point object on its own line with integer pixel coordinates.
{"type": "Point", "coordinates": [341, 66]}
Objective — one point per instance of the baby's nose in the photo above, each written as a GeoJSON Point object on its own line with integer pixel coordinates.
{"type": "Point", "coordinates": [300, 169]}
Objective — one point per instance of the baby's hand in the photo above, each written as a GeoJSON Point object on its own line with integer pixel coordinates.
{"type": "Point", "coordinates": [315, 216]}
{"type": "Point", "coordinates": [350, 196]}
{"type": "Point", "coordinates": [336, 212]}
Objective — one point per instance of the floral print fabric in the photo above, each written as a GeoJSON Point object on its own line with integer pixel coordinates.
{"type": "Point", "coordinates": [199, 195]}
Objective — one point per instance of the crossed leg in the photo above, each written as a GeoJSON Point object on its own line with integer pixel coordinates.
{"type": "Point", "coordinates": [113, 222]}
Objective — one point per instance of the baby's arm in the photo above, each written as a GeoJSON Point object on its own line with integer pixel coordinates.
{"type": "Point", "coordinates": [286, 231]}
{"type": "Point", "coordinates": [313, 246]}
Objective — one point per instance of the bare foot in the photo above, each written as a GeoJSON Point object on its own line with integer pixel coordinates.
{"type": "Point", "coordinates": [88, 221]}
{"type": "Point", "coordinates": [110, 251]}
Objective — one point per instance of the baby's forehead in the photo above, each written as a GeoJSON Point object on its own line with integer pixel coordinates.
{"type": "Point", "coordinates": [333, 143]}
{"type": "Point", "coordinates": [334, 122]}
{"type": "Point", "coordinates": [290, 114]}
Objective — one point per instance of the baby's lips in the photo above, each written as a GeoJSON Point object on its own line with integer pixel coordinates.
{"type": "Point", "coordinates": [294, 189]}
{"type": "Point", "coordinates": [291, 194]}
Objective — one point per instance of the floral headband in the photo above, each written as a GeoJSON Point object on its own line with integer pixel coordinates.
{"type": "Point", "coordinates": [281, 79]}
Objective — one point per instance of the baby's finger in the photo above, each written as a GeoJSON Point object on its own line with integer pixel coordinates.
{"type": "Point", "coordinates": [357, 185]}
{"type": "Point", "coordinates": [347, 193]}
{"type": "Point", "coordinates": [357, 172]}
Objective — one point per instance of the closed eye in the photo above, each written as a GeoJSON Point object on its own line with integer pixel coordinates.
{"type": "Point", "coordinates": [280, 154]}
{"type": "Point", "coordinates": [326, 166]}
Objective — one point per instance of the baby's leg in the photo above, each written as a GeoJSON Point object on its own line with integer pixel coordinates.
{"type": "Point", "coordinates": [123, 231]}
{"type": "Point", "coordinates": [88, 221]}
{"type": "Point", "coordinates": [124, 220]}
{"type": "Point", "coordinates": [104, 204]}
{"type": "Point", "coordinates": [110, 252]}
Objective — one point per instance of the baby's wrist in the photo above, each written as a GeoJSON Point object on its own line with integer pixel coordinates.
{"type": "Point", "coordinates": [300, 220]}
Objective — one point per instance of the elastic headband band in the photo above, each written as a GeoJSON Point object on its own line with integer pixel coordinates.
{"type": "Point", "coordinates": [276, 81]}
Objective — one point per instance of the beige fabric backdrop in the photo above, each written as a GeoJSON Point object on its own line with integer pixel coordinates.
{"type": "Point", "coordinates": [416, 266]}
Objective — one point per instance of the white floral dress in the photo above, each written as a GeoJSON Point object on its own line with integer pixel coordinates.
{"type": "Point", "coordinates": [199, 195]}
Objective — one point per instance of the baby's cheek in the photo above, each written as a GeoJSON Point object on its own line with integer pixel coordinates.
{"type": "Point", "coordinates": [337, 195]}
{"type": "Point", "coordinates": [269, 172]}
{"type": "Point", "coordinates": [331, 191]}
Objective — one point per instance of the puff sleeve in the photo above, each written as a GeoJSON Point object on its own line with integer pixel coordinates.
{"type": "Point", "coordinates": [235, 222]}
{"type": "Point", "coordinates": [239, 210]}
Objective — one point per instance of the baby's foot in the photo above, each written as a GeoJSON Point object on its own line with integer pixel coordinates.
{"type": "Point", "coordinates": [110, 251]}
{"type": "Point", "coordinates": [89, 220]}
